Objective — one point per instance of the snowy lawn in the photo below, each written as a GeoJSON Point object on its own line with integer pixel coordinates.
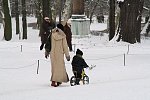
{"type": "Point", "coordinates": [117, 75]}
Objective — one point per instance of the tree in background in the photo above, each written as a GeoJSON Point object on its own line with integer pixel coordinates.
{"type": "Point", "coordinates": [93, 9]}
{"type": "Point", "coordinates": [111, 19]}
{"type": "Point", "coordinates": [147, 4]}
{"type": "Point", "coordinates": [7, 21]}
{"type": "Point", "coordinates": [130, 20]}
{"type": "Point", "coordinates": [38, 13]}
{"type": "Point", "coordinates": [17, 18]}
{"type": "Point", "coordinates": [61, 8]}
{"type": "Point", "coordinates": [67, 10]}
{"type": "Point", "coordinates": [97, 8]}
{"type": "Point", "coordinates": [24, 20]}
{"type": "Point", "coordinates": [46, 8]}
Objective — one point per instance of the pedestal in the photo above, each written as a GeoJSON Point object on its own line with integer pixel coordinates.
{"type": "Point", "coordinates": [80, 25]}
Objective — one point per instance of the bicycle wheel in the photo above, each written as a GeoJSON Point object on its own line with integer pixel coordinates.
{"type": "Point", "coordinates": [85, 79]}
{"type": "Point", "coordinates": [73, 81]}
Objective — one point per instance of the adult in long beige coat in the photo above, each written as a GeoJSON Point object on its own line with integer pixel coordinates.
{"type": "Point", "coordinates": [59, 49]}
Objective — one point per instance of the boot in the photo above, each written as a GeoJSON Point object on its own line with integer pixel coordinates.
{"type": "Point", "coordinates": [77, 81]}
{"type": "Point", "coordinates": [53, 84]}
{"type": "Point", "coordinates": [59, 83]}
{"type": "Point", "coordinates": [41, 47]}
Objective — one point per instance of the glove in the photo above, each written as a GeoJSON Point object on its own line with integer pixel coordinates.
{"type": "Point", "coordinates": [46, 54]}
{"type": "Point", "coordinates": [90, 68]}
{"type": "Point", "coordinates": [68, 58]}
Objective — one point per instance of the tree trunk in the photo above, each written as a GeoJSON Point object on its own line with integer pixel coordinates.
{"type": "Point", "coordinates": [67, 10]}
{"type": "Point", "coordinates": [17, 18]}
{"type": "Point", "coordinates": [39, 14]}
{"type": "Point", "coordinates": [112, 19]}
{"type": "Point", "coordinates": [46, 8]}
{"type": "Point", "coordinates": [60, 10]}
{"type": "Point", "coordinates": [24, 21]}
{"type": "Point", "coordinates": [92, 12]}
{"type": "Point", "coordinates": [130, 20]}
{"type": "Point", "coordinates": [140, 7]}
{"type": "Point", "coordinates": [7, 21]}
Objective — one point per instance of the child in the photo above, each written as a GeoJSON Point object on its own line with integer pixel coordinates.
{"type": "Point", "coordinates": [78, 64]}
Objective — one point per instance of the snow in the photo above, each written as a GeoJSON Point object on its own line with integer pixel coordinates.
{"type": "Point", "coordinates": [98, 26]}
{"type": "Point", "coordinates": [120, 0]}
{"type": "Point", "coordinates": [113, 78]}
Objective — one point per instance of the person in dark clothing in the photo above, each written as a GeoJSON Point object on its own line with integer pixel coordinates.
{"type": "Point", "coordinates": [67, 31]}
{"type": "Point", "coordinates": [47, 26]}
{"type": "Point", "coordinates": [78, 64]}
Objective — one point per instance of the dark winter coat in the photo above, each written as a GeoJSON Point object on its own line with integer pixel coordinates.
{"type": "Point", "coordinates": [78, 63]}
{"type": "Point", "coordinates": [68, 33]}
{"type": "Point", "coordinates": [46, 28]}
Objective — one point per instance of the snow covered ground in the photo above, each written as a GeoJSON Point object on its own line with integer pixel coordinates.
{"type": "Point", "coordinates": [122, 70]}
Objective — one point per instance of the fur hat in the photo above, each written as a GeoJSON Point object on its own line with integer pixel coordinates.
{"type": "Point", "coordinates": [60, 26]}
{"type": "Point", "coordinates": [79, 52]}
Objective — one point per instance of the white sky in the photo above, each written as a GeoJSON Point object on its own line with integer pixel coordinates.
{"type": "Point", "coordinates": [109, 80]}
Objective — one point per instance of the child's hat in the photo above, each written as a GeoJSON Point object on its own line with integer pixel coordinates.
{"type": "Point", "coordinates": [79, 52]}
{"type": "Point", "coordinates": [60, 26]}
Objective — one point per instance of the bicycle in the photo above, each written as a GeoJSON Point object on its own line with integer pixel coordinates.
{"type": "Point", "coordinates": [84, 77]}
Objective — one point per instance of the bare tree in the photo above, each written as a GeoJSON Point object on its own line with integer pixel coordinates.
{"type": "Point", "coordinates": [7, 21]}
{"type": "Point", "coordinates": [24, 20]}
{"type": "Point", "coordinates": [130, 20]}
{"type": "Point", "coordinates": [45, 9]}
{"type": "Point", "coordinates": [17, 18]}
{"type": "Point", "coordinates": [67, 9]}
{"type": "Point", "coordinates": [95, 7]}
{"type": "Point", "coordinates": [38, 6]}
{"type": "Point", "coordinates": [111, 19]}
